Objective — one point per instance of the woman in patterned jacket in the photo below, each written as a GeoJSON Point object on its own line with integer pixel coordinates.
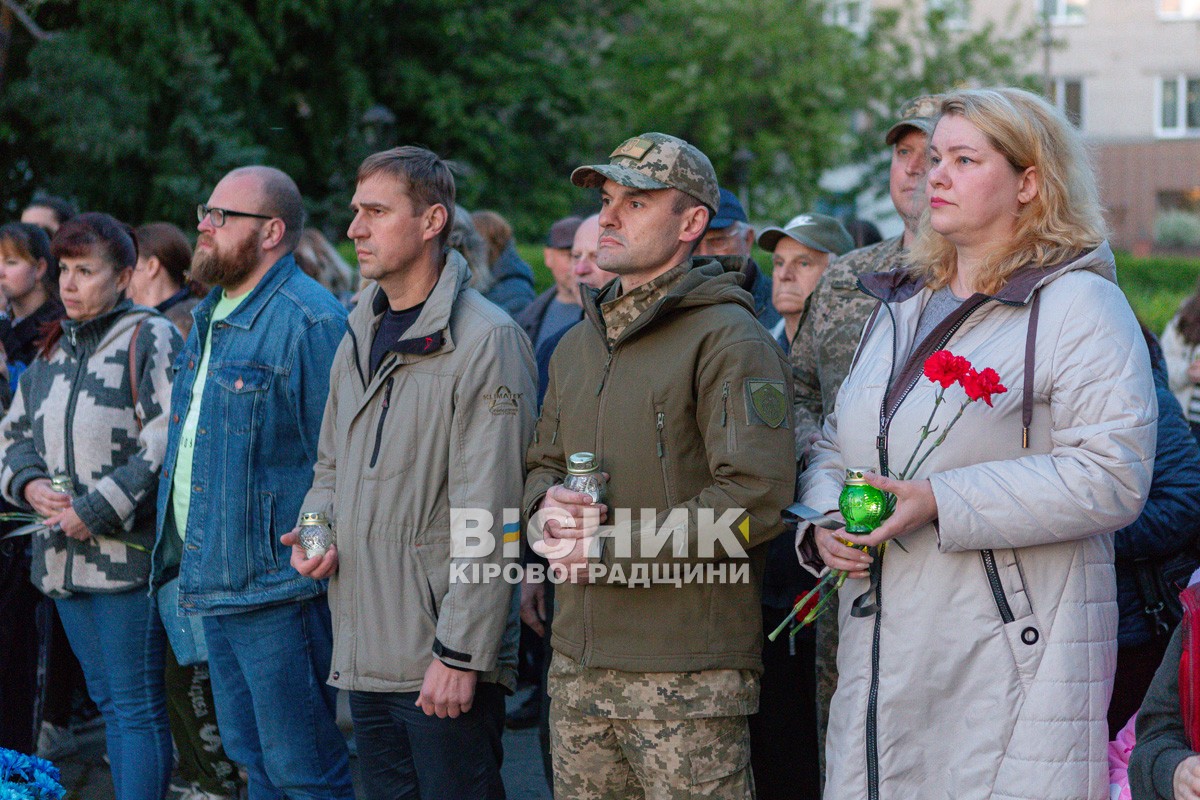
{"type": "Point", "coordinates": [91, 410]}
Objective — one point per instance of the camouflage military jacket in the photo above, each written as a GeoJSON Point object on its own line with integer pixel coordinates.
{"type": "Point", "coordinates": [829, 332]}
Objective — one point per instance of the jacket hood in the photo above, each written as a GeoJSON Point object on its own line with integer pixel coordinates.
{"type": "Point", "coordinates": [899, 285]}
{"type": "Point", "coordinates": [707, 283]}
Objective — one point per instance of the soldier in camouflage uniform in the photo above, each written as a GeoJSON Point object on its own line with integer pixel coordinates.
{"type": "Point", "coordinates": [683, 398]}
{"type": "Point", "coordinates": [832, 325]}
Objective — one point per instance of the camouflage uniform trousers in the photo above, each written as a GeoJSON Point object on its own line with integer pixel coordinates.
{"type": "Point", "coordinates": [601, 758]}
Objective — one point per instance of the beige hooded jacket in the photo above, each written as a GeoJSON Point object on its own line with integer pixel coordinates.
{"type": "Point", "coordinates": [987, 671]}
{"type": "Point", "coordinates": [439, 430]}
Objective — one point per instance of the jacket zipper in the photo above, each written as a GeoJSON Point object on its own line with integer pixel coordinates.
{"type": "Point", "coordinates": [69, 439]}
{"type": "Point", "coordinates": [873, 695]}
{"type": "Point", "coordinates": [586, 654]}
{"type": "Point", "coordinates": [604, 374]}
{"type": "Point", "coordinates": [885, 421]}
{"type": "Point", "coordinates": [387, 402]}
{"type": "Point", "coordinates": [993, 576]}
{"type": "Point", "coordinates": [730, 436]}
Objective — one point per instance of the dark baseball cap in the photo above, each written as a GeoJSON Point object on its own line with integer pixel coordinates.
{"type": "Point", "coordinates": [562, 233]}
{"type": "Point", "coordinates": [919, 113]}
{"type": "Point", "coordinates": [817, 231]}
{"type": "Point", "coordinates": [729, 211]}
{"type": "Point", "coordinates": [656, 161]}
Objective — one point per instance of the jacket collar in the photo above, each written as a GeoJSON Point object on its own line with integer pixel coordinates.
{"type": "Point", "coordinates": [708, 282]}
{"type": "Point", "coordinates": [173, 300]}
{"type": "Point", "coordinates": [247, 312]}
{"type": "Point", "coordinates": [899, 285]}
{"type": "Point", "coordinates": [430, 333]}
{"type": "Point", "coordinates": [88, 334]}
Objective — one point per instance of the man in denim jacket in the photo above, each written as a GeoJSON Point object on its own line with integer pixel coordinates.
{"type": "Point", "coordinates": [246, 408]}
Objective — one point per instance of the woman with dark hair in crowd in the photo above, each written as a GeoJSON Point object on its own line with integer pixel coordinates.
{"type": "Point", "coordinates": [90, 413]}
{"type": "Point", "coordinates": [160, 279]}
{"type": "Point", "coordinates": [29, 281]}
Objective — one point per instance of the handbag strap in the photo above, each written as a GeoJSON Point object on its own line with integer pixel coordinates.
{"type": "Point", "coordinates": [133, 384]}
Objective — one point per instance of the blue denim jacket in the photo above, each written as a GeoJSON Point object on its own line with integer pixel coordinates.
{"type": "Point", "coordinates": [256, 441]}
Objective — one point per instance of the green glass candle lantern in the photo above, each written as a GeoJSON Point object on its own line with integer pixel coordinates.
{"type": "Point", "coordinates": [862, 505]}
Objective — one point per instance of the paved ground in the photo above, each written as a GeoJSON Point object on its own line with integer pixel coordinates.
{"type": "Point", "coordinates": [86, 775]}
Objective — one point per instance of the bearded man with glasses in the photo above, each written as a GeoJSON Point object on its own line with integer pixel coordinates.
{"type": "Point", "coordinates": [246, 410]}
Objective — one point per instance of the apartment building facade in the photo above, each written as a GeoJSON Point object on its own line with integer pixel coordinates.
{"type": "Point", "coordinates": [1128, 73]}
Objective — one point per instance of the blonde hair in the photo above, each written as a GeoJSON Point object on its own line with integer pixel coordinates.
{"type": "Point", "coordinates": [1064, 218]}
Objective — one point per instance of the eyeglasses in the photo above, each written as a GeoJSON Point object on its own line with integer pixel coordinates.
{"type": "Point", "coordinates": [218, 215]}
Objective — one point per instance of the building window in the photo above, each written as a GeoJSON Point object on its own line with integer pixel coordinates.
{"type": "Point", "coordinates": [1178, 106]}
{"type": "Point", "coordinates": [852, 14]}
{"type": "Point", "coordinates": [1064, 11]}
{"type": "Point", "coordinates": [1179, 9]}
{"type": "Point", "coordinates": [1068, 98]}
{"type": "Point", "coordinates": [955, 12]}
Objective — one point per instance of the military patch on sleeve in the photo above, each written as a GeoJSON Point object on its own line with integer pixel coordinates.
{"type": "Point", "coordinates": [766, 402]}
{"type": "Point", "coordinates": [503, 401]}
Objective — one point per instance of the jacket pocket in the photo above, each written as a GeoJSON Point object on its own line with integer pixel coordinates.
{"type": "Point", "coordinates": [1023, 632]}
{"type": "Point", "coordinates": [725, 751]}
{"type": "Point", "coordinates": [394, 435]}
{"type": "Point", "coordinates": [243, 389]}
{"type": "Point", "coordinates": [268, 554]}
{"type": "Point", "coordinates": [662, 447]}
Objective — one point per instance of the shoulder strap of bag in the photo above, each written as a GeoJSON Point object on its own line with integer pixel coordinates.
{"type": "Point", "coordinates": [133, 383]}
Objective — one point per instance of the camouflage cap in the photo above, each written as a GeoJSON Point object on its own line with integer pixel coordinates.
{"type": "Point", "coordinates": [817, 231]}
{"type": "Point", "coordinates": [656, 161]}
{"type": "Point", "coordinates": [920, 113]}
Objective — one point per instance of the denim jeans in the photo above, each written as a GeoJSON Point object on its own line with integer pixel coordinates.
{"type": "Point", "coordinates": [276, 714]}
{"type": "Point", "coordinates": [403, 754]}
{"type": "Point", "coordinates": [119, 641]}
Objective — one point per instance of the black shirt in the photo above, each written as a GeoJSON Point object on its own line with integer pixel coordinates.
{"type": "Point", "coordinates": [392, 328]}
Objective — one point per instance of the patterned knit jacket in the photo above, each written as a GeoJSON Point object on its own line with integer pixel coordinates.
{"type": "Point", "coordinates": [74, 415]}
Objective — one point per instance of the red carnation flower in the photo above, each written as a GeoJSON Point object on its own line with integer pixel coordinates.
{"type": "Point", "coordinates": [946, 368]}
{"type": "Point", "coordinates": [982, 385]}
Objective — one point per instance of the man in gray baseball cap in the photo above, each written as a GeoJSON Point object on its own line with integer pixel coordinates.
{"type": "Point", "coordinates": [683, 399]}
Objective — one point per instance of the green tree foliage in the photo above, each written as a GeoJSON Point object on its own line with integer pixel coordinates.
{"type": "Point", "coordinates": [910, 51]}
{"type": "Point", "coordinates": [138, 106]}
{"type": "Point", "coordinates": [764, 87]}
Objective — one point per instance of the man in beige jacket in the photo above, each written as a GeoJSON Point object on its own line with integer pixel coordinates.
{"type": "Point", "coordinates": [429, 413]}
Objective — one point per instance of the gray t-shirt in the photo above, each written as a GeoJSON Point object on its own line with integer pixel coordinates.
{"type": "Point", "coordinates": [942, 304]}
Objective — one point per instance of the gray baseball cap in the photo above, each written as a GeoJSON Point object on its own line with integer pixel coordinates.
{"type": "Point", "coordinates": [562, 233]}
{"type": "Point", "coordinates": [817, 231]}
{"type": "Point", "coordinates": [920, 113]}
{"type": "Point", "coordinates": [656, 161]}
